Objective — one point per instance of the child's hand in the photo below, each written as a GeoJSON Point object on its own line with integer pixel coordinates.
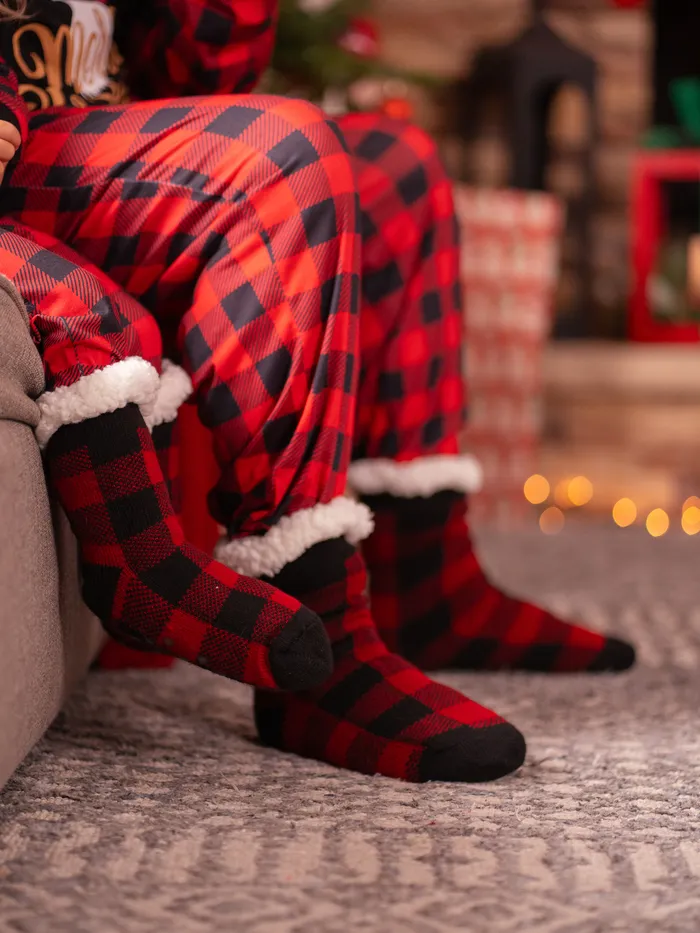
{"type": "Point", "coordinates": [10, 141]}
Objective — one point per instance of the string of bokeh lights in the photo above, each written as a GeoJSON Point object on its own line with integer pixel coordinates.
{"type": "Point", "coordinates": [577, 492]}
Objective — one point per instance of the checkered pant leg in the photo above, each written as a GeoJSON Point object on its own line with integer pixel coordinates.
{"type": "Point", "coordinates": [81, 320]}
{"type": "Point", "coordinates": [411, 396]}
{"type": "Point", "coordinates": [234, 221]}
{"type": "Point", "coordinates": [430, 598]}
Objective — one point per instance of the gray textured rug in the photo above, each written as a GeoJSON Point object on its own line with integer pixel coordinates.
{"type": "Point", "coordinates": [149, 807]}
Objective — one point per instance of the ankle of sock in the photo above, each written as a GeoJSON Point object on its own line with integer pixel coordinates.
{"type": "Point", "coordinates": [418, 513]}
{"type": "Point", "coordinates": [436, 606]}
{"type": "Point", "coordinates": [331, 579]}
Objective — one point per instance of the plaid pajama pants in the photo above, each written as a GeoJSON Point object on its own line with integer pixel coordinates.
{"type": "Point", "coordinates": [224, 232]}
{"type": "Point", "coordinates": [411, 391]}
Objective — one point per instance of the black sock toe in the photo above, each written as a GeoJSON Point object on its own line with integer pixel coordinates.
{"type": "Point", "coordinates": [617, 655]}
{"type": "Point", "coordinates": [300, 657]}
{"type": "Point", "coordinates": [473, 755]}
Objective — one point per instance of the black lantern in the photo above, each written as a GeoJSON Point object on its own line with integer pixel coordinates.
{"type": "Point", "coordinates": [526, 75]}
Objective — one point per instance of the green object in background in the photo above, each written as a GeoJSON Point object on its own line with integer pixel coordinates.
{"type": "Point", "coordinates": [685, 96]}
{"type": "Point", "coordinates": [308, 58]}
{"type": "Point", "coordinates": [664, 137]}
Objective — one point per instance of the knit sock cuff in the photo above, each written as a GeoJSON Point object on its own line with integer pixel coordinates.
{"type": "Point", "coordinates": [419, 478]}
{"type": "Point", "coordinates": [293, 535]}
{"type": "Point", "coordinates": [133, 380]}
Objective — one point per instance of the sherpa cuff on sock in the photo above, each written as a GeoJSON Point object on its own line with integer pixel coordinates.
{"type": "Point", "coordinates": [174, 388]}
{"type": "Point", "coordinates": [294, 534]}
{"type": "Point", "coordinates": [422, 477]}
{"type": "Point", "coordinates": [133, 380]}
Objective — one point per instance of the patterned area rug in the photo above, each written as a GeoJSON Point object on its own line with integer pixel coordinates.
{"type": "Point", "coordinates": [149, 807]}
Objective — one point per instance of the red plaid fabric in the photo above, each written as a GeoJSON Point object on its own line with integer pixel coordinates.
{"type": "Point", "coordinates": [178, 48]}
{"type": "Point", "coordinates": [378, 714]}
{"type": "Point", "coordinates": [431, 600]}
{"type": "Point", "coordinates": [12, 107]}
{"type": "Point", "coordinates": [411, 392]}
{"type": "Point", "coordinates": [434, 604]}
{"type": "Point", "coordinates": [170, 48]}
{"type": "Point", "coordinates": [232, 220]}
{"type": "Point", "coordinates": [166, 441]}
{"type": "Point", "coordinates": [81, 320]}
{"type": "Point", "coordinates": [152, 589]}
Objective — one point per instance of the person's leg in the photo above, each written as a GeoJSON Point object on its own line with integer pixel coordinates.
{"type": "Point", "coordinates": [431, 600]}
{"type": "Point", "coordinates": [105, 387]}
{"type": "Point", "coordinates": [236, 221]}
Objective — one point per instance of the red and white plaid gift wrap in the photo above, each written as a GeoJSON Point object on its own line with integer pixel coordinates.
{"type": "Point", "coordinates": [510, 264]}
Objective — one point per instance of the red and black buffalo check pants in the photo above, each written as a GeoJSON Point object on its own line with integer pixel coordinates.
{"type": "Point", "coordinates": [225, 233]}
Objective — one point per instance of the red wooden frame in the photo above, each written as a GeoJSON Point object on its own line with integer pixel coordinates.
{"type": "Point", "coordinates": [651, 168]}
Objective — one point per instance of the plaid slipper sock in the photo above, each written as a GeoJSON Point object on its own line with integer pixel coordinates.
{"type": "Point", "coordinates": [166, 441]}
{"type": "Point", "coordinates": [436, 607]}
{"type": "Point", "coordinates": [153, 590]}
{"type": "Point", "coordinates": [377, 714]}
{"type": "Point", "coordinates": [116, 656]}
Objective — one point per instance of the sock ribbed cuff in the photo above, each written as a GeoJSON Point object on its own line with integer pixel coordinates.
{"type": "Point", "coordinates": [419, 478]}
{"type": "Point", "coordinates": [266, 555]}
{"type": "Point", "coordinates": [116, 386]}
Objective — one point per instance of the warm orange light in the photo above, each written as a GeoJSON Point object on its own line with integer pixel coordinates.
{"type": "Point", "coordinates": [690, 522]}
{"type": "Point", "coordinates": [580, 490]}
{"type": "Point", "coordinates": [690, 502]}
{"type": "Point", "coordinates": [657, 523]}
{"type": "Point", "coordinates": [624, 513]}
{"type": "Point", "coordinates": [552, 520]}
{"type": "Point", "coordinates": [561, 494]}
{"type": "Point", "coordinates": [536, 489]}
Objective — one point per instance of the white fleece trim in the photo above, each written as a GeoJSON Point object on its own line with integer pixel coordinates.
{"type": "Point", "coordinates": [294, 534]}
{"type": "Point", "coordinates": [422, 477]}
{"type": "Point", "coordinates": [106, 390]}
{"type": "Point", "coordinates": [174, 388]}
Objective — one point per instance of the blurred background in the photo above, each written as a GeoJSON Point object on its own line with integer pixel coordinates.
{"type": "Point", "coordinates": [572, 131]}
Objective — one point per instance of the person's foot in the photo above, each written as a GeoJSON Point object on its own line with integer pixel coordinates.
{"type": "Point", "coordinates": [435, 606]}
{"type": "Point", "coordinates": [153, 590]}
{"type": "Point", "coordinates": [377, 713]}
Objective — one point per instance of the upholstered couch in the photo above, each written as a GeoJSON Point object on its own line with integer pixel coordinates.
{"type": "Point", "coordinates": [47, 636]}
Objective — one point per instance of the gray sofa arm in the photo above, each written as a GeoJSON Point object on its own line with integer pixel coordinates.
{"type": "Point", "coordinates": [47, 635]}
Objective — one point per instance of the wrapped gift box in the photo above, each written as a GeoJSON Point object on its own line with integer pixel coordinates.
{"type": "Point", "coordinates": [510, 264]}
